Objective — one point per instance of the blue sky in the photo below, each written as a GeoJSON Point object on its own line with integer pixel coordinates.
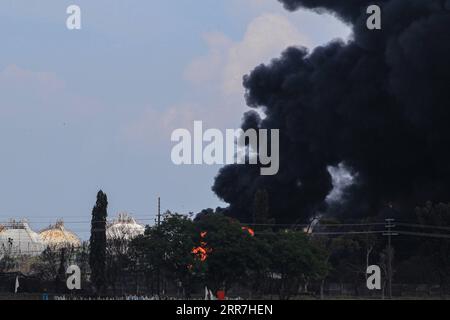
{"type": "Point", "coordinates": [94, 109]}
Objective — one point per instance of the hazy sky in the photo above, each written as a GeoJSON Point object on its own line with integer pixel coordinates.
{"type": "Point", "coordinates": [94, 109]}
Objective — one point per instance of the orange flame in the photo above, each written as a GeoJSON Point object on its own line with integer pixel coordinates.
{"type": "Point", "coordinates": [249, 230]}
{"type": "Point", "coordinates": [203, 251]}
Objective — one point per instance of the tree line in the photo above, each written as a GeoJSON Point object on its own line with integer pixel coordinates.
{"type": "Point", "coordinates": [183, 254]}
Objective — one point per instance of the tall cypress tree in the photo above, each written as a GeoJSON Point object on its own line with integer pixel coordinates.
{"type": "Point", "coordinates": [97, 245]}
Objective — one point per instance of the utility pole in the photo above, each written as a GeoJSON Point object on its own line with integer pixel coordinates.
{"type": "Point", "coordinates": [159, 212]}
{"type": "Point", "coordinates": [389, 226]}
{"type": "Point", "coordinates": [158, 271]}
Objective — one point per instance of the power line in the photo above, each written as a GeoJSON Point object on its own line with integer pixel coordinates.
{"type": "Point", "coordinates": [423, 226]}
{"type": "Point", "coordinates": [146, 219]}
{"type": "Point", "coordinates": [65, 221]}
{"type": "Point", "coordinates": [352, 224]}
{"type": "Point", "coordinates": [429, 235]}
{"type": "Point", "coordinates": [346, 233]}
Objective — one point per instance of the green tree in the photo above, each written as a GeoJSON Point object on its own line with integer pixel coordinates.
{"type": "Point", "coordinates": [167, 249]}
{"type": "Point", "coordinates": [117, 261]}
{"type": "Point", "coordinates": [178, 234]}
{"type": "Point", "coordinates": [50, 266]}
{"type": "Point", "coordinates": [436, 251]}
{"type": "Point", "coordinates": [97, 250]}
{"type": "Point", "coordinates": [7, 259]}
{"type": "Point", "coordinates": [82, 260]}
{"type": "Point", "coordinates": [234, 255]}
{"type": "Point", "coordinates": [296, 260]}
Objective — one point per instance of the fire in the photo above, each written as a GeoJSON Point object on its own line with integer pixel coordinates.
{"type": "Point", "coordinates": [249, 230]}
{"type": "Point", "coordinates": [203, 251]}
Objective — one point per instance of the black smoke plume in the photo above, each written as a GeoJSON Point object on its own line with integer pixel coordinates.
{"type": "Point", "coordinates": [379, 105]}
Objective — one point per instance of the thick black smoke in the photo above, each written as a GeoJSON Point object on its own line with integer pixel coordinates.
{"type": "Point", "coordinates": [379, 105]}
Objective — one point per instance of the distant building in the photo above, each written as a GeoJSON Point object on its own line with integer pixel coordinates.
{"type": "Point", "coordinates": [17, 238]}
{"type": "Point", "coordinates": [124, 227]}
{"type": "Point", "coordinates": [57, 236]}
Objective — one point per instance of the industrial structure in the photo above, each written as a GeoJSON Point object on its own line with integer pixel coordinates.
{"type": "Point", "coordinates": [17, 238]}
{"type": "Point", "coordinates": [124, 228]}
{"type": "Point", "coordinates": [57, 236]}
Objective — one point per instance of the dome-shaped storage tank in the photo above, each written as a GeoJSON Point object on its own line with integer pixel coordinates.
{"type": "Point", "coordinates": [18, 239]}
{"type": "Point", "coordinates": [124, 227]}
{"type": "Point", "coordinates": [58, 236]}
